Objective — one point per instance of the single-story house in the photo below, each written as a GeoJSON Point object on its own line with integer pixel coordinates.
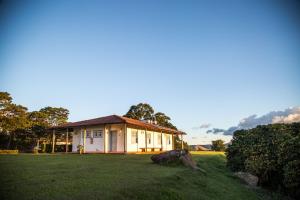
{"type": "Point", "coordinates": [117, 134]}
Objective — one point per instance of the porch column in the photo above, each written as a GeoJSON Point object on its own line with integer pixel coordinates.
{"type": "Point", "coordinates": [161, 140]}
{"type": "Point", "coordinates": [125, 138]}
{"type": "Point", "coordinates": [84, 138]}
{"type": "Point", "coordinates": [173, 141]}
{"type": "Point", "coordinates": [53, 141]}
{"type": "Point", "coordinates": [181, 141]}
{"type": "Point", "coordinates": [104, 139]}
{"type": "Point", "coordinates": [146, 140]}
{"type": "Point", "coordinates": [67, 140]}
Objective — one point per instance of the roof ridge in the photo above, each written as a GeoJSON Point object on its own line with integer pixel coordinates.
{"type": "Point", "coordinates": [120, 117]}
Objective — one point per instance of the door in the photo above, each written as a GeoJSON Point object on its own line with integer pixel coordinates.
{"type": "Point", "coordinates": [113, 141]}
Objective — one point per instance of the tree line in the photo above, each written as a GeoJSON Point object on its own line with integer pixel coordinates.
{"type": "Point", "coordinates": [272, 153]}
{"type": "Point", "coordinates": [20, 129]}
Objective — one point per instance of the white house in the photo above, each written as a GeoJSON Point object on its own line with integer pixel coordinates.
{"type": "Point", "coordinates": [116, 134]}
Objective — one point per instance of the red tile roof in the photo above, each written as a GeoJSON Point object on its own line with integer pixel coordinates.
{"type": "Point", "coordinates": [115, 119]}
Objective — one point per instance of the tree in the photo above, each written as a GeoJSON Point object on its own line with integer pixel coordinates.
{"type": "Point", "coordinates": [54, 116]}
{"type": "Point", "coordinates": [21, 129]}
{"type": "Point", "coordinates": [177, 143]}
{"type": "Point", "coordinates": [218, 145]}
{"type": "Point", "coordinates": [5, 99]}
{"type": "Point", "coordinates": [142, 111]}
{"type": "Point", "coordinates": [13, 117]}
{"type": "Point", "coordinates": [38, 125]}
{"type": "Point", "coordinates": [163, 120]}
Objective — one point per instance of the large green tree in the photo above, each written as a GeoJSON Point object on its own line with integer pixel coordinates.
{"type": "Point", "coordinates": [55, 116]}
{"type": "Point", "coordinates": [13, 118]}
{"type": "Point", "coordinates": [144, 111]}
{"type": "Point", "coordinates": [38, 124]}
{"type": "Point", "coordinates": [164, 120]}
{"type": "Point", "coordinates": [141, 111]}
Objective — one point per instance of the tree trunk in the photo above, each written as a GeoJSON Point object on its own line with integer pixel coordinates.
{"type": "Point", "coordinates": [11, 136]}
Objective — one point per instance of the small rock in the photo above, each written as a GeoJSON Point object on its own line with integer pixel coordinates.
{"type": "Point", "coordinates": [250, 179]}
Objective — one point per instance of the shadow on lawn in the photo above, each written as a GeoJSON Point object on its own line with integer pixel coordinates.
{"type": "Point", "coordinates": [218, 183]}
{"type": "Point", "coordinates": [166, 188]}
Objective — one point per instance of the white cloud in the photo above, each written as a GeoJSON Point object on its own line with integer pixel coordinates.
{"type": "Point", "coordinates": [289, 115]}
{"type": "Point", "coordinates": [290, 118]}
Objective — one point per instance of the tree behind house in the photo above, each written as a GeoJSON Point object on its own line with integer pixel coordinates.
{"type": "Point", "coordinates": [144, 111]}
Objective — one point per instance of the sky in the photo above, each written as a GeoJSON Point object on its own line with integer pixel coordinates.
{"type": "Point", "coordinates": [204, 63]}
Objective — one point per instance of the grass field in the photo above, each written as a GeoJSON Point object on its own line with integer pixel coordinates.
{"type": "Point", "coordinates": [27, 176]}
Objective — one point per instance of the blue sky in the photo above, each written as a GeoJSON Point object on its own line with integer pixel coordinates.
{"type": "Point", "coordinates": [197, 61]}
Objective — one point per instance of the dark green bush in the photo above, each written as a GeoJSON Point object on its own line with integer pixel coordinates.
{"type": "Point", "coordinates": [271, 152]}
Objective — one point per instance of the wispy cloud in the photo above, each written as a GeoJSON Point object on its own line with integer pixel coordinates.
{"type": "Point", "coordinates": [202, 126]}
{"type": "Point", "coordinates": [288, 115]}
{"type": "Point", "coordinates": [216, 130]}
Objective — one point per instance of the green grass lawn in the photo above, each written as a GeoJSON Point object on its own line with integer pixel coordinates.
{"type": "Point", "coordinates": [90, 177]}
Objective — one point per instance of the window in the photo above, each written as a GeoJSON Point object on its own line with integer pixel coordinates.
{"type": "Point", "coordinates": [169, 139]}
{"type": "Point", "coordinates": [149, 138]}
{"type": "Point", "coordinates": [134, 136]}
{"type": "Point", "coordinates": [88, 134]}
{"type": "Point", "coordinates": [158, 138]}
{"type": "Point", "coordinates": [98, 133]}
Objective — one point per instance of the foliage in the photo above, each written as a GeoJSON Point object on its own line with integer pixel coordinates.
{"type": "Point", "coordinates": [177, 143]}
{"type": "Point", "coordinates": [12, 116]}
{"type": "Point", "coordinates": [271, 152]}
{"type": "Point", "coordinates": [218, 145]}
{"type": "Point", "coordinates": [20, 129]}
{"type": "Point", "coordinates": [144, 111]}
{"type": "Point", "coordinates": [163, 120]}
{"type": "Point", "coordinates": [141, 111]}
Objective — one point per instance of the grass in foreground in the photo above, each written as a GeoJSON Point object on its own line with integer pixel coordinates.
{"type": "Point", "coordinates": [90, 177]}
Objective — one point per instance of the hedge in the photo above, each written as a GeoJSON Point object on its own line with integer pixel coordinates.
{"type": "Point", "coordinates": [9, 151]}
{"type": "Point", "coordinates": [272, 153]}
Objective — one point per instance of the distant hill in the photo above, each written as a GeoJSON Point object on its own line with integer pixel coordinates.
{"type": "Point", "coordinates": [199, 147]}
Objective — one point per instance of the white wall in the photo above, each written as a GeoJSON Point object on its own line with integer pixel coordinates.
{"type": "Point", "coordinates": [168, 142]}
{"type": "Point", "coordinates": [119, 128]}
{"type": "Point", "coordinates": [137, 147]}
{"type": "Point", "coordinates": [75, 140]}
{"type": "Point", "coordinates": [120, 136]}
{"type": "Point", "coordinates": [101, 145]}
{"type": "Point", "coordinates": [98, 142]}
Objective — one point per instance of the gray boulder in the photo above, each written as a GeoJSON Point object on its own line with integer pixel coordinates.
{"type": "Point", "coordinates": [248, 178]}
{"type": "Point", "coordinates": [175, 156]}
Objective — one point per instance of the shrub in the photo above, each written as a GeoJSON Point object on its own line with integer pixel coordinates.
{"type": "Point", "coordinates": [218, 145]}
{"type": "Point", "coordinates": [271, 152]}
{"type": "Point", "coordinates": [291, 174]}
